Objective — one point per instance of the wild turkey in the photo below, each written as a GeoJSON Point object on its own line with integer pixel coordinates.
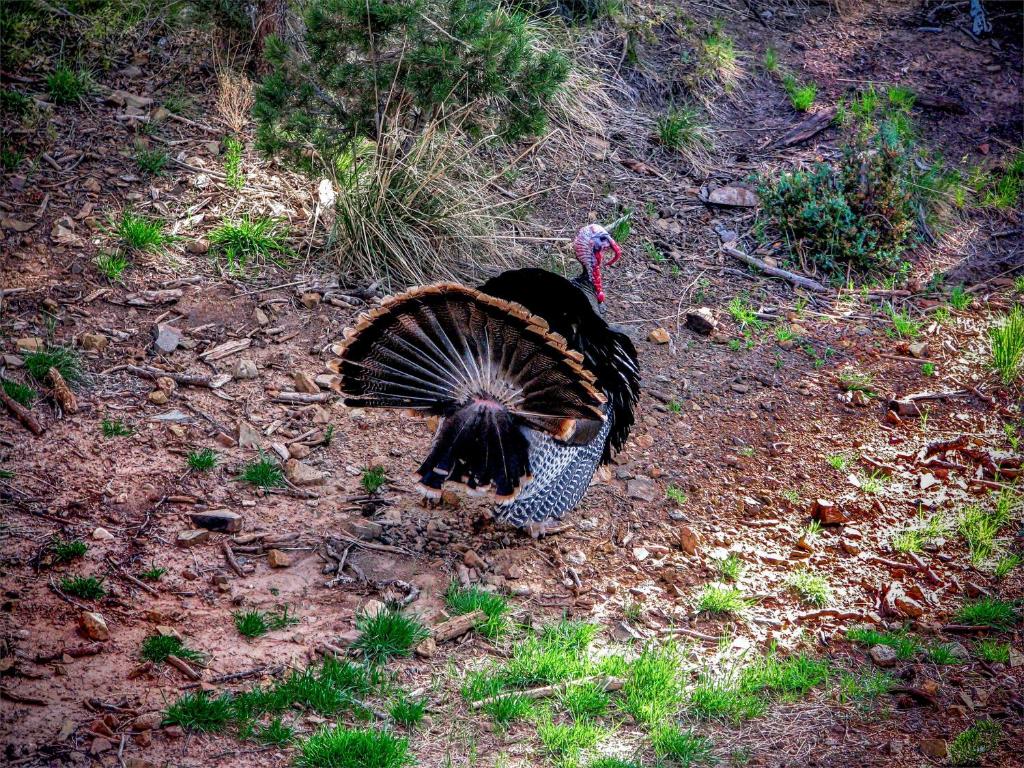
{"type": "Point", "coordinates": [533, 387]}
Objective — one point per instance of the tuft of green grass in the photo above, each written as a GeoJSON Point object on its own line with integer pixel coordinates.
{"type": "Point", "coordinates": [992, 651]}
{"type": "Point", "coordinates": [140, 233]}
{"type": "Point", "coordinates": [872, 483]}
{"type": "Point", "coordinates": [800, 96]}
{"type": "Point", "coordinates": [565, 743]}
{"type": "Point", "coordinates": [988, 612]}
{"type": "Point", "coordinates": [263, 472]}
{"type": "Point", "coordinates": [744, 314]}
{"type": "Point", "coordinates": [462, 600]}
{"type": "Point", "coordinates": [679, 747]}
{"type": "Point", "coordinates": [959, 298]}
{"type": "Point", "coordinates": [1018, 284]}
{"type": "Point", "coordinates": [373, 479]}
{"type": "Point", "coordinates": [341, 747]}
{"type": "Point", "coordinates": [928, 369]}
{"type": "Point", "coordinates": [975, 742]}
{"type": "Point", "coordinates": [789, 677]}
{"type": "Point", "coordinates": [653, 691]}
{"type": "Point", "coordinates": [115, 428]}
{"type": "Point", "coordinates": [200, 712]}
{"type": "Point", "coordinates": [233, 163]}
{"type": "Point", "coordinates": [924, 532]}
{"type": "Point", "coordinates": [685, 130]}
{"type": "Point", "coordinates": [905, 646]}
{"type": "Point", "coordinates": [388, 634]}
{"type": "Point", "coordinates": [1007, 338]}
{"type": "Point", "coordinates": [718, 599]}
{"type": "Point", "coordinates": [152, 574]}
{"type": "Point", "coordinates": [852, 380]}
{"type": "Point", "coordinates": [66, 551]}
{"type": "Point", "coordinates": [408, 712]}
{"type": "Point", "coordinates": [251, 623]}
{"type": "Point", "coordinates": [678, 495]}
{"type": "Point", "coordinates": [66, 85]}
{"type": "Point", "coordinates": [18, 392]}
{"type": "Point", "coordinates": [249, 241]}
{"type": "Point", "coordinates": [509, 709]}
{"type": "Point", "coordinates": [865, 685]}
{"type": "Point", "coordinates": [771, 60]}
{"type": "Point", "coordinates": [942, 654]}
{"type": "Point", "coordinates": [202, 461]}
{"type": "Point", "coordinates": [903, 326]}
{"type": "Point", "coordinates": [717, 60]}
{"type": "Point", "coordinates": [1006, 564]}
{"type": "Point", "coordinates": [275, 733]}
{"type": "Point", "coordinates": [606, 761]}
{"type": "Point", "coordinates": [813, 589]}
{"type": "Point", "coordinates": [111, 265]}
{"type": "Point", "coordinates": [1005, 190]}
{"type": "Point", "coordinates": [85, 587]}
{"type": "Point", "coordinates": [152, 161]}
{"type": "Point", "coordinates": [157, 648]}
{"type": "Point", "coordinates": [555, 654]}
{"type": "Point", "coordinates": [730, 567]}
{"type": "Point", "coordinates": [784, 333]}
{"type": "Point", "coordinates": [980, 527]}
{"type": "Point", "coordinates": [64, 359]}
{"type": "Point", "coordinates": [585, 701]}
{"type": "Point", "coordinates": [723, 700]}
{"type": "Point", "coordinates": [838, 461]}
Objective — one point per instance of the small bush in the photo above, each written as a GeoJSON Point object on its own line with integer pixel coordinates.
{"type": "Point", "coordinates": [140, 233]}
{"type": "Point", "coordinates": [202, 461]}
{"type": "Point", "coordinates": [66, 551]}
{"type": "Point", "coordinates": [1007, 339]}
{"type": "Point", "coordinates": [249, 241]}
{"type": "Point", "coordinates": [974, 743]}
{"type": "Point", "coordinates": [263, 472]}
{"type": "Point", "coordinates": [388, 634]}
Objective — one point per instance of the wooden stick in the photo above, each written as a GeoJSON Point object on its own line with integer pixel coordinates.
{"type": "Point", "coordinates": [301, 398]}
{"type": "Point", "coordinates": [606, 683]}
{"type": "Point", "coordinates": [23, 414]}
{"type": "Point", "coordinates": [691, 633]}
{"type": "Point", "coordinates": [185, 379]}
{"type": "Point", "coordinates": [804, 282]}
{"type": "Point", "coordinates": [131, 579]}
{"type": "Point", "coordinates": [182, 666]}
{"type": "Point", "coordinates": [456, 626]}
{"type": "Point", "coordinates": [229, 555]}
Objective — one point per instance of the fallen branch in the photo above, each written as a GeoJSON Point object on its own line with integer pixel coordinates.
{"type": "Point", "coordinates": [229, 555]}
{"type": "Point", "coordinates": [456, 626]}
{"type": "Point", "coordinates": [804, 282]}
{"type": "Point", "coordinates": [131, 579]}
{"type": "Point", "coordinates": [7, 693]}
{"type": "Point", "coordinates": [301, 398]}
{"type": "Point", "coordinates": [893, 563]}
{"type": "Point", "coordinates": [23, 414]}
{"type": "Point", "coordinates": [182, 666]}
{"type": "Point", "coordinates": [62, 392]}
{"type": "Point", "coordinates": [606, 683]}
{"type": "Point", "coordinates": [832, 613]}
{"type": "Point", "coordinates": [807, 128]}
{"type": "Point", "coordinates": [77, 652]}
{"type": "Point", "coordinates": [185, 379]}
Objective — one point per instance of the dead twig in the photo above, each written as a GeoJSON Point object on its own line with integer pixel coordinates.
{"type": "Point", "coordinates": [23, 414]}
{"type": "Point", "coordinates": [804, 282]}
{"type": "Point", "coordinates": [606, 683]}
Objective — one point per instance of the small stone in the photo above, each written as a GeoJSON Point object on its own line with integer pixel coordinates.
{"type": "Point", "coordinates": [828, 512]}
{"type": "Point", "coordinates": [93, 342]}
{"type": "Point", "coordinates": [850, 547]}
{"type": "Point", "coordinates": [310, 300]}
{"type": "Point", "coordinates": [148, 721]}
{"type": "Point", "coordinates": [659, 336]}
{"type": "Point", "coordinates": [303, 474]}
{"type": "Point", "coordinates": [427, 648]}
{"type": "Point", "coordinates": [733, 197]}
{"type": "Point", "coordinates": [473, 560]}
{"type": "Point", "coordinates": [222, 520]}
{"type": "Point", "coordinates": [278, 559]}
{"type": "Point", "coordinates": [29, 344]}
{"type": "Point", "coordinates": [99, 745]}
{"type": "Point", "coordinates": [158, 397]}
{"type": "Point", "coordinates": [896, 602]}
{"type": "Point", "coordinates": [166, 338]}
{"type": "Point", "coordinates": [702, 321]}
{"type": "Point", "coordinates": [642, 488]}
{"type": "Point", "coordinates": [299, 451]}
{"type": "Point", "coordinates": [244, 368]}
{"type": "Point", "coordinates": [882, 655]}
{"type": "Point", "coordinates": [372, 608]}
{"type": "Point", "coordinates": [688, 540]}
{"type": "Point", "coordinates": [192, 538]}
{"type": "Point", "coordinates": [91, 185]}
{"type": "Point", "coordinates": [934, 748]}
{"type": "Point", "coordinates": [305, 383]}
{"type": "Point", "coordinates": [261, 317]}
{"type": "Point", "coordinates": [641, 554]}
{"type": "Point", "coordinates": [928, 480]}
{"type": "Point", "coordinates": [102, 534]}
{"type": "Point", "coordinates": [93, 625]}
{"type": "Point", "coordinates": [248, 437]}
{"type": "Point", "coordinates": [198, 246]}
{"type": "Point", "coordinates": [918, 350]}
{"type": "Point", "coordinates": [366, 530]}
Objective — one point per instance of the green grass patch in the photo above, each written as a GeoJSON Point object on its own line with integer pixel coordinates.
{"type": "Point", "coordinates": [157, 648]}
{"type": "Point", "coordinates": [801, 96]}
{"type": "Point", "coordinates": [905, 645]}
{"type": "Point", "coordinates": [730, 568]}
{"type": "Point", "coordinates": [151, 161]}
{"type": "Point", "coordinates": [770, 62]}
{"type": "Point", "coordinates": [249, 242]}
{"type": "Point", "coordinates": [852, 380]}
{"type": "Point", "coordinates": [942, 654]}
{"type": "Point", "coordinates": [992, 651]}
{"type": "Point", "coordinates": [653, 691]}
{"type": "Point", "coordinates": [18, 392]}
{"type": "Point", "coordinates": [565, 743]}
{"type": "Point", "coordinates": [508, 709]}
{"type": "Point", "coordinates": [66, 551]}
{"type": "Point", "coordinates": [681, 748]}
{"type": "Point", "coordinates": [959, 298]}
{"type": "Point", "coordinates": [587, 700]}
{"type": "Point", "coordinates": [556, 653]}
{"type": "Point", "coordinates": [838, 461]}
{"type": "Point", "coordinates": [85, 587]}
{"type": "Point", "coordinates": [1006, 564]}
{"type": "Point", "coordinates": [980, 528]}
{"type": "Point", "coordinates": [255, 623]}
{"type": "Point", "coordinates": [812, 588]}
{"type": "Point", "coordinates": [342, 747]}
{"type": "Point", "coordinates": [788, 677]}
{"type": "Point", "coordinates": [111, 265]}
{"type": "Point", "coordinates": [685, 130]}
{"type": "Point", "coordinates": [677, 495]}
{"type": "Point", "coordinates": [408, 712]}
{"type": "Point", "coordinates": [865, 685]}
{"type": "Point", "coordinates": [925, 532]}
{"type": "Point", "coordinates": [152, 574]}
{"type": "Point", "coordinates": [200, 712]}
{"type": "Point", "coordinates": [140, 233]}
{"type": "Point", "coordinates": [263, 472]}
{"type": "Point", "coordinates": [975, 742]}
{"type": "Point", "coordinates": [64, 359]}
{"type": "Point", "coordinates": [723, 700]}
{"type": "Point", "coordinates": [988, 612]}
{"type": "Point", "coordinates": [373, 479]}
{"type": "Point", "coordinates": [388, 634]}
{"type": "Point", "coordinates": [115, 428]}
{"type": "Point", "coordinates": [201, 461]}
{"type": "Point", "coordinates": [722, 600]}
{"type": "Point", "coordinates": [744, 314]}
{"type": "Point", "coordinates": [66, 85]}
{"type": "Point", "coordinates": [1007, 338]}
{"type": "Point", "coordinates": [275, 733]}
{"type": "Point", "coordinates": [233, 163]}
{"type": "Point", "coordinates": [462, 600]}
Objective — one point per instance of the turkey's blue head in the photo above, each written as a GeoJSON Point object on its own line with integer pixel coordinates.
{"type": "Point", "coordinates": [592, 246]}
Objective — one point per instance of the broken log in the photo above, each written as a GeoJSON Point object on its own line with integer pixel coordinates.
{"type": "Point", "coordinates": [456, 626]}
{"type": "Point", "coordinates": [803, 282]}
{"type": "Point", "coordinates": [807, 128]}
{"type": "Point", "coordinates": [23, 414]}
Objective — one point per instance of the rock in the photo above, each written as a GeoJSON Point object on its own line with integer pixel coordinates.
{"type": "Point", "coordinates": [364, 529]}
{"type": "Point", "coordinates": [303, 474]}
{"type": "Point", "coordinates": [305, 383]}
{"type": "Point", "coordinates": [158, 397]}
{"type": "Point", "coordinates": [198, 246]}
{"type": "Point", "coordinates": [641, 554]}
{"type": "Point", "coordinates": [298, 451]}
{"type": "Point", "coordinates": [329, 381]}
{"type": "Point", "coordinates": [918, 350]}
{"type": "Point", "coordinates": [372, 608]}
{"type": "Point", "coordinates": [278, 559]}
{"type": "Point", "coordinates": [659, 336]}
{"type": "Point", "coordinates": [192, 538]}
{"type": "Point", "coordinates": [958, 650]}
{"type": "Point", "coordinates": [148, 721]}
{"type": "Point", "coordinates": [828, 512]}
{"type": "Point", "coordinates": [934, 748]}
{"type": "Point", "coordinates": [93, 342]}
{"type": "Point", "coordinates": [222, 520]}
{"type": "Point", "coordinates": [102, 534]}
{"type": "Point", "coordinates": [29, 344]}
{"type": "Point", "coordinates": [642, 488]}
{"type": "Point", "coordinates": [99, 745]}
{"type": "Point", "coordinates": [247, 436]}
{"type": "Point", "coordinates": [928, 480]}
{"type": "Point", "coordinates": [126, 99]}
{"type": "Point", "coordinates": [688, 540]}
{"type": "Point", "coordinates": [896, 602]}
{"type": "Point", "coordinates": [244, 368]}
{"type": "Point", "coordinates": [93, 625]}
{"type": "Point", "coordinates": [310, 300]}
{"type": "Point", "coordinates": [702, 321]}
{"type": "Point", "coordinates": [734, 197]}
{"type": "Point", "coordinates": [473, 560]}
{"type": "Point", "coordinates": [882, 655]}
{"type": "Point", "coordinates": [261, 317]}
{"type": "Point", "coordinates": [850, 546]}
{"type": "Point", "coordinates": [166, 337]}
{"type": "Point", "coordinates": [12, 361]}
{"type": "Point", "coordinates": [427, 648]}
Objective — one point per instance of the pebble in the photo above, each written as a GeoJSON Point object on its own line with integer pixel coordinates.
{"type": "Point", "coordinates": [934, 748]}
{"type": "Point", "coordinates": [473, 560]}
{"type": "Point", "coordinates": [244, 368]}
{"type": "Point", "coordinates": [882, 655]}
{"type": "Point", "coordinates": [166, 337]}
{"type": "Point", "coordinates": [248, 437]}
{"type": "Point", "coordinates": [688, 540]}
{"type": "Point", "coordinates": [102, 534]}
{"type": "Point", "coordinates": [310, 300]}
{"type": "Point", "coordinates": [94, 625]}
{"type": "Point", "coordinates": [217, 520]}
{"type": "Point", "coordinates": [158, 397]}
{"type": "Point", "coordinates": [192, 538]}
{"type": "Point", "coordinates": [278, 559]}
{"type": "Point", "coordinates": [642, 488]}
{"type": "Point", "coordinates": [93, 342]}
{"type": "Point", "coordinates": [305, 383]}
{"type": "Point", "coordinates": [659, 336]}
{"type": "Point", "coordinates": [198, 246]}
{"type": "Point", "coordinates": [303, 474]}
